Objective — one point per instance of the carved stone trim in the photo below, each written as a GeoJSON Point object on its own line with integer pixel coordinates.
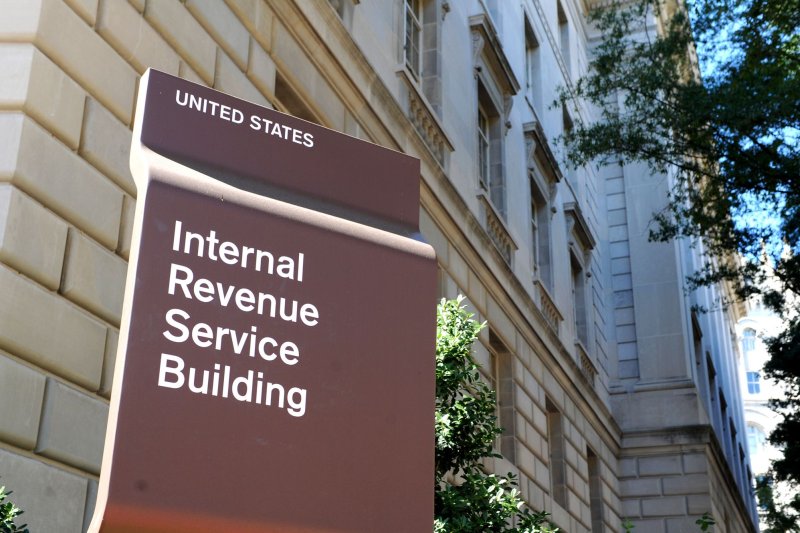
{"type": "Point", "coordinates": [497, 230]}
{"type": "Point", "coordinates": [578, 226]}
{"type": "Point", "coordinates": [425, 121]}
{"type": "Point", "coordinates": [483, 34]}
{"type": "Point", "coordinates": [585, 363]}
{"type": "Point", "coordinates": [540, 151]}
{"type": "Point", "coordinates": [552, 315]}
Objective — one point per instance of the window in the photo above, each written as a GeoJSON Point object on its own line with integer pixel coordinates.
{"type": "Point", "coordinates": [753, 382]}
{"type": "Point", "coordinates": [756, 438]}
{"type": "Point", "coordinates": [555, 441]}
{"type": "Point", "coordinates": [533, 82]}
{"type": "Point", "coordinates": [563, 33]}
{"type": "Point", "coordinates": [413, 36]}
{"type": "Point", "coordinates": [580, 247]}
{"type": "Point", "coordinates": [595, 491]}
{"type": "Point", "coordinates": [343, 8]}
{"type": "Point", "coordinates": [540, 232]}
{"type": "Point", "coordinates": [579, 300]}
{"type": "Point", "coordinates": [749, 340]}
{"type": "Point", "coordinates": [543, 177]}
{"type": "Point", "coordinates": [504, 387]}
{"type": "Point", "coordinates": [484, 161]}
{"type": "Point", "coordinates": [490, 151]}
{"type": "Point", "coordinates": [567, 126]}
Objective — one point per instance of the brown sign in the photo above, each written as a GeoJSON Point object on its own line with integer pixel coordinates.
{"type": "Point", "coordinates": [275, 370]}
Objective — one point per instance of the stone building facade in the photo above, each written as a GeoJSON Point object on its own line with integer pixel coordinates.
{"type": "Point", "coordinates": [617, 401]}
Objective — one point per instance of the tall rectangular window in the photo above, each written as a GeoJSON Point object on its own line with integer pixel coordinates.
{"type": "Point", "coordinates": [753, 382]}
{"type": "Point", "coordinates": [484, 148]}
{"type": "Point", "coordinates": [563, 34]}
{"type": "Point", "coordinates": [579, 301]}
{"type": "Point", "coordinates": [413, 36]}
{"type": "Point", "coordinates": [504, 388]}
{"type": "Point", "coordinates": [533, 82]}
{"type": "Point", "coordinates": [595, 491]}
{"type": "Point", "coordinates": [540, 231]}
{"type": "Point", "coordinates": [490, 150]}
{"type": "Point", "coordinates": [555, 441]}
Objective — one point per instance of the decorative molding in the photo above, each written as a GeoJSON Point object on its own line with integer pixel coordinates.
{"type": "Point", "coordinates": [425, 121]}
{"type": "Point", "coordinates": [551, 314]}
{"type": "Point", "coordinates": [587, 367]}
{"type": "Point", "coordinates": [497, 230]}
{"type": "Point", "coordinates": [483, 33]}
{"type": "Point", "coordinates": [540, 152]}
{"type": "Point", "coordinates": [577, 226]}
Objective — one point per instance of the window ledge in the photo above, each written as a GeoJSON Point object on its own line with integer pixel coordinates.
{"type": "Point", "coordinates": [548, 307]}
{"type": "Point", "coordinates": [497, 229]}
{"type": "Point", "coordinates": [585, 362]}
{"type": "Point", "coordinates": [424, 119]}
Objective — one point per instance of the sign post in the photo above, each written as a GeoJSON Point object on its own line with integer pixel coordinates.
{"type": "Point", "coordinates": [275, 370]}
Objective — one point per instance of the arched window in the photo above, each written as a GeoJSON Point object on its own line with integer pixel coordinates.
{"type": "Point", "coordinates": [749, 340]}
{"type": "Point", "coordinates": [756, 438]}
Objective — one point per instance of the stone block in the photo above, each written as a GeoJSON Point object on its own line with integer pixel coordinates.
{"type": "Point", "coordinates": [134, 39]}
{"type": "Point", "coordinates": [627, 467]}
{"type": "Point", "coordinates": [615, 185]}
{"type": "Point", "coordinates": [626, 334]}
{"type": "Point", "coordinates": [32, 239]}
{"type": "Point", "coordinates": [185, 34]}
{"type": "Point", "coordinates": [664, 506]}
{"type": "Point", "coordinates": [617, 217]}
{"type": "Point", "coordinates": [261, 69]}
{"type": "Point", "coordinates": [73, 427]}
{"type": "Point", "coordinates": [460, 271]}
{"type": "Point", "coordinates": [231, 80]}
{"type": "Point", "coordinates": [223, 25]}
{"type": "Point", "coordinates": [53, 500]}
{"type": "Point", "coordinates": [62, 181]}
{"type": "Point", "coordinates": [694, 463]}
{"type": "Point", "coordinates": [623, 299]}
{"type": "Point", "coordinates": [631, 508]}
{"type": "Point", "coordinates": [650, 526]}
{"type": "Point", "coordinates": [639, 487]}
{"type": "Point", "coordinates": [258, 19]}
{"type": "Point", "coordinates": [106, 144]}
{"type": "Point", "coordinates": [34, 84]}
{"type": "Point", "coordinates": [48, 331]}
{"type": "Point", "coordinates": [109, 362]}
{"type": "Point", "coordinates": [619, 249]}
{"type": "Point", "coordinates": [21, 394]}
{"type": "Point", "coordinates": [621, 265]}
{"type": "Point", "coordinates": [186, 72]}
{"type": "Point", "coordinates": [684, 524]}
{"type": "Point", "coordinates": [86, 9]}
{"type": "Point", "coordinates": [615, 201]}
{"type": "Point", "coordinates": [661, 356]}
{"type": "Point", "coordinates": [624, 316]}
{"type": "Point", "coordinates": [686, 484]}
{"type": "Point", "coordinates": [621, 282]}
{"type": "Point", "coordinates": [64, 37]}
{"type": "Point", "coordinates": [94, 278]}
{"type": "Point", "coordinates": [699, 503]}
{"type": "Point", "coordinates": [660, 465]}
{"type": "Point", "coordinates": [618, 233]}
{"type": "Point", "coordinates": [91, 501]}
{"type": "Point", "coordinates": [126, 226]}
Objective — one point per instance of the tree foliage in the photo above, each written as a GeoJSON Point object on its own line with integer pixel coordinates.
{"type": "Point", "coordinates": [780, 511]}
{"type": "Point", "coordinates": [8, 515]}
{"type": "Point", "coordinates": [728, 136]}
{"type": "Point", "coordinates": [467, 499]}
